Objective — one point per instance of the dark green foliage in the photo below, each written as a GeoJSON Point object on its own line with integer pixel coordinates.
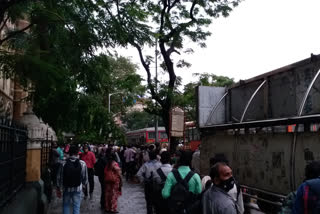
{"type": "Point", "coordinates": [139, 120]}
{"type": "Point", "coordinates": [56, 50]}
{"type": "Point", "coordinates": [56, 53]}
{"type": "Point", "coordinates": [169, 22]}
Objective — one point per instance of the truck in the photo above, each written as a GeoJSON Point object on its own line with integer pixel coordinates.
{"type": "Point", "coordinates": [267, 127]}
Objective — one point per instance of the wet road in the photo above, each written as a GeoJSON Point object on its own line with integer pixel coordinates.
{"type": "Point", "coordinates": [131, 202]}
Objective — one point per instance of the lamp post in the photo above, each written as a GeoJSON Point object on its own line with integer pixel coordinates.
{"type": "Point", "coordinates": [156, 116]}
{"type": "Point", "coordinates": [109, 99]}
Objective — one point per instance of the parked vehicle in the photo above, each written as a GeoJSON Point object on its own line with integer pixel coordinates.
{"type": "Point", "coordinates": [146, 136]}
{"type": "Point", "coordinates": [192, 136]}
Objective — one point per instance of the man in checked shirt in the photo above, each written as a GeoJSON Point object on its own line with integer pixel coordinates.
{"type": "Point", "coordinates": [72, 175]}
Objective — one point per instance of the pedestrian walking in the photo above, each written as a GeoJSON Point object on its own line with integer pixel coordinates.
{"type": "Point", "coordinates": [72, 175]}
{"type": "Point", "coordinates": [60, 149]}
{"type": "Point", "coordinates": [99, 171]}
{"type": "Point", "coordinates": [129, 155]}
{"type": "Point", "coordinates": [308, 194]}
{"type": "Point", "coordinates": [195, 163]}
{"type": "Point", "coordinates": [113, 184]}
{"type": "Point", "coordinates": [182, 185]}
{"type": "Point", "coordinates": [216, 200]}
{"type": "Point", "coordinates": [145, 175]}
{"type": "Point", "coordinates": [90, 159]}
{"type": "Point", "coordinates": [54, 163]}
{"type": "Point", "coordinates": [159, 179]}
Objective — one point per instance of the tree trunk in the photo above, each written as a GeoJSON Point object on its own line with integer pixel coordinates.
{"type": "Point", "coordinates": [166, 120]}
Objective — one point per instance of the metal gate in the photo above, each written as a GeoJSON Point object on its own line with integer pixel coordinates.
{"type": "Point", "coordinates": [13, 147]}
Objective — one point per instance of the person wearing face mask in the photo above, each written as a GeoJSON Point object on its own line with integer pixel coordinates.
{"type": "Point", "coordinates": [235, 192]}
{"type": "Point", "coordinates": [217, 200]}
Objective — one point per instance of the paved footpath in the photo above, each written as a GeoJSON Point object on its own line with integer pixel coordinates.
{"type": "Point", "coordinates": [131, 202]}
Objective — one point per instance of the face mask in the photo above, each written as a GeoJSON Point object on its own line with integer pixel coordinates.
{"type": "Point", "coordinates": [228, 184]}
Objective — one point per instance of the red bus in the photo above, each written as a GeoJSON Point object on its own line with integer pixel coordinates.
{"type": "Point", "coordinates": [192, 136]}
{"type": "Point", "coordinates": [146, 136]}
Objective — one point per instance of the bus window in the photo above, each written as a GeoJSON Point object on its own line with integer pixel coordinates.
{"type": "Point", "coordinates": [163, 135]}
{"type": "Point", "coordinates": [151, 135]}
{"type": "Point", "coordinates": [196, 134]}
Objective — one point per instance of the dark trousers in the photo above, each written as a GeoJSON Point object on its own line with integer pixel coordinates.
{"type": "Point", "coordinates": [130, 170]}
{"type": "Point", "coordinates": [102, 197]}
{"type": "Point", "coordinates": [148, 196]}
{"type": "Point", "coordinates": [161, 206]}
{"type": "Point", "coordinates": [54, 171]}
{"type": "Point", "coordinates": [91, 182]}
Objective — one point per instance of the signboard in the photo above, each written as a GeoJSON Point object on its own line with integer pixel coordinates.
{"type": "Point", "coordinates": [177, 122]}
{"type": "Point", "coordinates": [208, 98]}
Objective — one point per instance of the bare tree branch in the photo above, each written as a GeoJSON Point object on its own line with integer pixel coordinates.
{"type": "Point", "coordinates": [169, 64]}
{"type": "Point", "coordinates": [4, 23]}
{"type": "Point", "coordinates": [147, 68]}
{"type": "Point", "coordinates": [172, 49]}
{"type": "Point", "coordinates": [162, 17]}
{"type": "Point", "coordinates": [192, 9]}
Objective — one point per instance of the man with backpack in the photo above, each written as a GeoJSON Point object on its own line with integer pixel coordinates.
{"type": "Point", "coordinates": [72, 175]}
{"type": "Point", "coordinates": [182, 185]}
{"type": "Point", "coordinates": [145, 175]}
{"type": "Point", "coordinates": [308, 194]}
{"type": "Point", "coordinates": [159, 179]}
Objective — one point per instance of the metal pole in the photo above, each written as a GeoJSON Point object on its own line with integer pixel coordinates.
{"type": "Point", "coordinates": [251, 98]}
{"type": "Point", "coordinates": [109, 99]}
{"type": "Point", "coordinates": [215, 108]}
{"type": "Point", "coordinates": [307, 93]}
{"type": "Point", "coordinates": [156, 116]}
{"type": "Point", "coordinates": [109, 102]}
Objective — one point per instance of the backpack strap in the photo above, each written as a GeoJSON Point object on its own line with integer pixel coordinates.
{"type": "Point", "coordinates": [188, 177]}
{"type": "Point", "coordinates": [184, 181]}
{"type": "Point", "coordinates": [161, 174]}
{"type": "Point", "coordinates": [177, 175]}
{"type": "Point", "coordinates": [238, 190]}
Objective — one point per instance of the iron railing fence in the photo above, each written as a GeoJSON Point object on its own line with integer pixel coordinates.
{"type": "Point", "coordinates": [46, 147]}
{"type": "Point", "coordinates": [13, 149]}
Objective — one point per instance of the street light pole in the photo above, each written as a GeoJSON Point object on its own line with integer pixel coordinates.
{"type": "Point", "coordinates": [156, 116]}
{"type": "Point", "coordinates": [109, 99]}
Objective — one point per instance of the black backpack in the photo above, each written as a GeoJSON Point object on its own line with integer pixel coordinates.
{"type": "Point", "coordinates": [156, 187]}
{"type": "Point", "coordinates": [180, 197]}
{"type": "Point", "coordinates": [72, 173]}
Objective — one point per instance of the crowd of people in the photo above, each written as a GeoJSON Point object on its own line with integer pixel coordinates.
{"type": "Point", "coordinates": [172, 183]}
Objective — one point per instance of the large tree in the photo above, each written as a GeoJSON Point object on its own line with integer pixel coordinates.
{"type": "Point", "coordinates": [168, 24]}
{"type": "Point", "coordinates": [57, 54]}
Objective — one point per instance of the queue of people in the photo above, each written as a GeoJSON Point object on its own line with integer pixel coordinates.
{"type": "Point", "coordinates": [172, 183]}
{"type": "Point", "coordinates": [178, 188]}
{"type": "Point", "coordinates": [74, 169]}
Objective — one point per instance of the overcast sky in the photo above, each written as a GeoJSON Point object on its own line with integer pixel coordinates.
{"type": "Point", "coordinates": [257, 37]}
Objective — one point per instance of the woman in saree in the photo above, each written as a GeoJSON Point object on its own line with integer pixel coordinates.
{"type": "Point", "coordinates": [113, 183]}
